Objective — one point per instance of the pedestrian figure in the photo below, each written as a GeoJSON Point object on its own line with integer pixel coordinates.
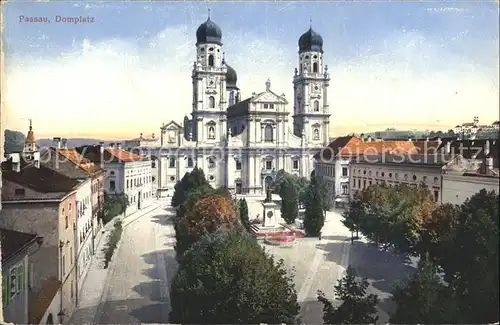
{"type": "Point", "coordinates": [320, 235]}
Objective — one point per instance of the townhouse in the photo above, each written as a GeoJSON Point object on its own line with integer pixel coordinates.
{"type": "Point", "coordinates": [480, 171]}
{"type": "Point", "coordinates": [126, 173]}
{"type": "Point", "coordinates": [16, 248]}
{"type": "Point", "coordinates": [46, 202]}
{"type": "Point", "coordinates": [89, 196]}
{"type": "Point", "coordinates": [453, 170]}
{"type": "Point", "coordinates": [333, 162]}
{"type": "Point", "coordinates": [391, 169]}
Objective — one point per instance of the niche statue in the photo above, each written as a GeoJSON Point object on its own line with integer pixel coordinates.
{"type": "Point", "coordinates": [268, 195]}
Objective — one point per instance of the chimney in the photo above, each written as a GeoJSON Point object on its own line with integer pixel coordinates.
{"type": "Point", "coordinates": [64, 143]}
{"type": "Point", "coordinates": [111, 144]}
{"type": "Point", "coordinates": [448, 147]}
{"type": "Point", "coordinates": [101, 148]}
{"type": "Point", "coordinates": [487, 148]}
{"type": "Point", "coordinates": [57, 142]}
{"type": "Point", "coordinates": [439, 140]}
{"type": "Point", "coordinates": [36, 159]}
{"type": "Point", "coordinates": [16, 162]}
{"type": "Point", "coordinates": [410, 139]}
{"type": "Point", "coordinates": [369, 138]}
{"type": "Point", "coordinates": [118, 145]}
{"type": "Point", "coordinates": [427, 139]}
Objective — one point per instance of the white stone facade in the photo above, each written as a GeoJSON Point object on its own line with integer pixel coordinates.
{"type": "Point", "coordinates": [84, 225]}
{"type": "Point", "coordinates": [363, 175]}
{"type": "Point", "coordinates": [134, 179]}
{"type": "Point", "coordinates": [458, 187]}
{"type": "Point", "coordinates": [242, 144]}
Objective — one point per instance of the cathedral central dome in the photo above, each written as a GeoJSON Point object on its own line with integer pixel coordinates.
{"type": "Point", "coordinates": [310, 41]}
{"type": "Point", "coordinates": [208, 32]}
{"type": "Point", "coordinates": [231, 77]}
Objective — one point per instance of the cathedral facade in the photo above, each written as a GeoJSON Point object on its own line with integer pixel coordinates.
{"type": "Point", "coordinates": [241, 144]}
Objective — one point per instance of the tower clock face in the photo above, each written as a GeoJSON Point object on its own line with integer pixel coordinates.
{"type": "Point", "coordinates": [211, 82]}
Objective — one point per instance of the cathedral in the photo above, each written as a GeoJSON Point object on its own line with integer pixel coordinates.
{"type": "Point", "coordinates": [242, 143]}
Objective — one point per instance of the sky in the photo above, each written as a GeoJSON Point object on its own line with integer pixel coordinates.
{"type": "Point", "coordinates": [412, 65]}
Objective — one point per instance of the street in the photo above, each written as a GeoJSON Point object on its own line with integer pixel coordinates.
{"type": "Point", "coordinates": [137, 288]}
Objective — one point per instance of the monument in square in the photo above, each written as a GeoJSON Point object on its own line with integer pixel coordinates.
{"type": "Point", "coordinates": [269, 219]}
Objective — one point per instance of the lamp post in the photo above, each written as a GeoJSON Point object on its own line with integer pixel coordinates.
{"type": "Point", "coordinates": [162, 135]}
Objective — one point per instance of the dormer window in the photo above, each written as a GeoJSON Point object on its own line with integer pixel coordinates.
{"type": "Point", "coordinates": [19, 191]}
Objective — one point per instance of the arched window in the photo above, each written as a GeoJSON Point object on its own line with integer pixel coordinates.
{"type": "Point", "coordinates": [211, 132]}
{"type": "Point", "coordinates": [190, 162]}
{"type": "Point", "coordinates": [315, 67]}
{"type": "Point", "coordinates": [171, 163]}
{"type": "Point", "coordinates": [268, 133]}
{"type": "Point", "coordinates": [316, 106]}
{"type": "Point", "coordinates": [210, 60]}
{"type": "Point", "coordinates": [316, 134]}
{"type": "Point", "coordinates": [211, 102]}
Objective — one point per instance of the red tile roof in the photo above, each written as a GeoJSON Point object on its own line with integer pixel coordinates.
{"type": "Point", "coordinates": [43, 300]}
{"type": "Point", "coordinates": [347, 147]}
{"type": "Point", "coordinates": [82, 162]}
{"type": "Point", "coordinates": [123, 155]}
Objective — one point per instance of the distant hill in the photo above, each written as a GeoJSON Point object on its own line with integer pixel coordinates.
{"type": "Point", "coordinates": [72, 142]}
{"type": "Point", "coordinates": [14, 141]}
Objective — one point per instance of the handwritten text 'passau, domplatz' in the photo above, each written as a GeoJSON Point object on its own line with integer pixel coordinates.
{"type": "Point", "coordinates": [57, 19]}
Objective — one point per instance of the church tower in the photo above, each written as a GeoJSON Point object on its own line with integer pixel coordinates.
{"type": "Point", "coordinates": [30, 142]}
{"type": "Point", "coordinates": [310, 83]}
{"type": "Point", "coordinates": [209, 85]}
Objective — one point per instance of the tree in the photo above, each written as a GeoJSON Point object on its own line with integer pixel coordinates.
{"type": "Point", "coordinates": [209, 214]}
{"type": "Point", "coordinates": [301, 184]}
{"type": "Point", "coordinates": [392, 216]}
{"type": "Point", "coordinates": [423, 299]}
{"type": "Point", "coordinates": [227, 278]}
{"type": "Point", "coordinates": [314, 218]}
{"type": "Point", "coordinates": [189, 181]}
{"type": "Point", "coordinates": [13, 141]}
{"type": "Point", "coordinates": [357, 307]}
{"type": "Point", "coordinates": [243, 210]}
{"type": "Point", "coordinates": [114, 205]}
{"type": "Point", "coordinates": [325, 191]}
{"type": "Point", "coordinates": [351, 216]}
{"type": "Point", "coordinates": [289, 201]}
{"type": "Point", "coordinates": [471, 264]}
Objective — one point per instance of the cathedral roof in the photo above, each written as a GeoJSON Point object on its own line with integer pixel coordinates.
{"type": "Point", "coordinates": [208, 32]}
{"type": "Point", "coordinates": [310, 41]}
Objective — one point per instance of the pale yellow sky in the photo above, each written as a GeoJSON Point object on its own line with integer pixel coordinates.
{"type": "Point", "coordinates": [115, 90]}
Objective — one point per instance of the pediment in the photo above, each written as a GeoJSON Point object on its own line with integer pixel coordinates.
{"type": "Point", "coordinates": [269, 97]}
{"type": "Point", "coordinates": [172, 125]}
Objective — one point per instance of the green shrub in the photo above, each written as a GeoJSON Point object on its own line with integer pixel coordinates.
{"type": "Point", "coordinates": [113, 239]}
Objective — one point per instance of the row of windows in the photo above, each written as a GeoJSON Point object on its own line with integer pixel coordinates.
{"type": "Point", "coordinates": [395, 175]}
{"type": "Point", "coordinates": [85, 232]}
{"type": "Point", "coordinates": [329, 170]}
{"type": "Point", "coordinates": [96, 186]}
{"type": "Point", "coordinates": [268, 106]}
{"type": "Point", "coordinates": [137, 182]}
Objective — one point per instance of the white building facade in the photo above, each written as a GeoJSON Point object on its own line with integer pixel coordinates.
{"type": "Point", "coordinates": [413, 170]}
{"type": "Point", "coordinates": [129, 174]}
{"type": "Point", "coordinates": [241, 144]}
{"type": "Point", "coordinates": [84, 225]}
{"type": "Point", "coordinates": [457, 187]}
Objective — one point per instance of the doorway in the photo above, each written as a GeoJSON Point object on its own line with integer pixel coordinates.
{"type": "Point", "coordinates": [238, 187]}
{"type": "Point", "coordinates": [139, 199]}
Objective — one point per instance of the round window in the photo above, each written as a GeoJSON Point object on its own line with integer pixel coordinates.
{"type": "Point", "coordinates": [172, 178]}
{"type": "Point", "coordinates": [211, 177]}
